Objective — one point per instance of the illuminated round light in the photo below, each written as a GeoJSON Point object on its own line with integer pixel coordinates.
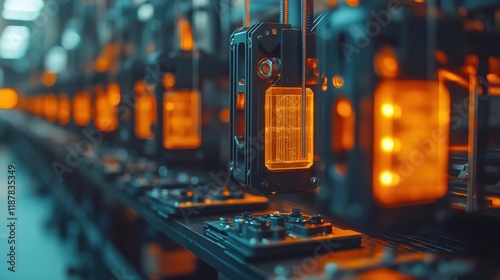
{"type": "Point", "coordinates": [169, 106]}
{"type": "Point", "coordinates": [387, 144]}
{"type": "Point", "coordinates": [337, 81]}
{"type": "Point", "coordinates": [56, 60]}
{"type": "Point", "coordinates": [145, 12]}
{"type": "Point", "coordinates": [344, 108]}
{"type": "Point", "coordinates": [388, 110]}
{"type": "Point", "coordinates": [387, 178]}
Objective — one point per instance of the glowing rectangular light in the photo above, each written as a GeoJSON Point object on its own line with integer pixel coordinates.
{"type": "Point", "coordinates": [284, 129]}
{"type": "Point", "coordinates": [145, 111]}
{"type": "Point", "coordinates": [106, 119]}
{"type": "Point", "coordinates": [82, 108]}
{"type": "Point", "coordinates": [410, 145]}
{"type": "Point", "coordinates": [23, 10]}
{"type": "Point", "coordinates": [14, 42]}
{"type": "Point", "coordinates": [64, 113]}
{"type": "Point", "coordinates": [182, 120]}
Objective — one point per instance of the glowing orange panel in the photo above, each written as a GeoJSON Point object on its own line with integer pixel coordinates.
{"type": "Point", "coordinates": [114, 94]}
{"type": "Point", "coordinates": [82, 109]}
{"type": "Point", "coordinates": [145, 111]}
{"type": "Point", "coordinates": [50, 107]}
{"type": "Point", "coordinates": [8, 98]}
{"type": "Point", "coordinates": [106, 119]}
{"type": "Point", "coordinates": [343, 126]}
{"type": "Point", "coordinates": [39, 104]}
{"type": "Point", "coordinates": [410, 146]}
{"type": "Point", "coordinates": [493, 83]}
{"type": "Point", "coordinates": [182, 120]}
{"type": "Point", "coordinates": [186, 41]}
{"type": "Point", "coordinates": [64, 113]}
{"type": "Point", "coordinates": [284, 130]}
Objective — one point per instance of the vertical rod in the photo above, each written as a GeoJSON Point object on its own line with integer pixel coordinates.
{"type": "Point", "coordinates": [472, 172]}
{"type": "Point", "coordinates": [284, 11]}
{"type": "Point", "coordinates": [304, 59]}
{"type": "Point", "coordinates": [246, 15]}
{"type": "Point", "coordinates": [310, 15]}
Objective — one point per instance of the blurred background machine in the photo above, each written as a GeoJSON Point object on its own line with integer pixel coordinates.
{"type": "Point", "coordinates": [224, 139]}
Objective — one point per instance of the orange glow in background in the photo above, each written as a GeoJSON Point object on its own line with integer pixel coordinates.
{"type": "Point", "coordinates": [343, 126]}
{"type": "Point", "coordinates": [49, 78]}
{"type": "Point", "coordinates": [410, 142]}
{"type": "Point", "coordinates": [50, 109]}
{"type": "Point", "coordinates": [106, 119]}
{"type": "Point", "coordinates": [186, 41]}
{"type": "Point", "coordinates": [145, 111]}
{"type": "Point", "coordinates": [182, 119]}
{"type": "Point", "coordinates": [114, 94]}
{"type": "Point", "coordinates": [107, 58]}
{"type": "Point", "coordinates": [224, 115]}
{"type": "Point", "coordinates": [9, 98]}
{"type": "Point", "coordinates": [39, 105]}
{"type": "Point", "coordinates": [64, 113]}
{"type": "Point", "coordinates": [386, 63]}
{"type": "Point", "coordinates": [82, 108]}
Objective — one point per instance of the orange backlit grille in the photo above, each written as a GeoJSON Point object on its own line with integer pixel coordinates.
{"type": "Point", "coordinates": [284, 131]}
{"type": "Point", "coordinates": [410, 142]}
{"type": "Point", "coordinates": [182, 123]}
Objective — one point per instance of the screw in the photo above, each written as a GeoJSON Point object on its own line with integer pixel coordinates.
{"type": "Point", "coordinates": [265, 184]}
{"type": "Point", "coordinates": [268, 68]}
